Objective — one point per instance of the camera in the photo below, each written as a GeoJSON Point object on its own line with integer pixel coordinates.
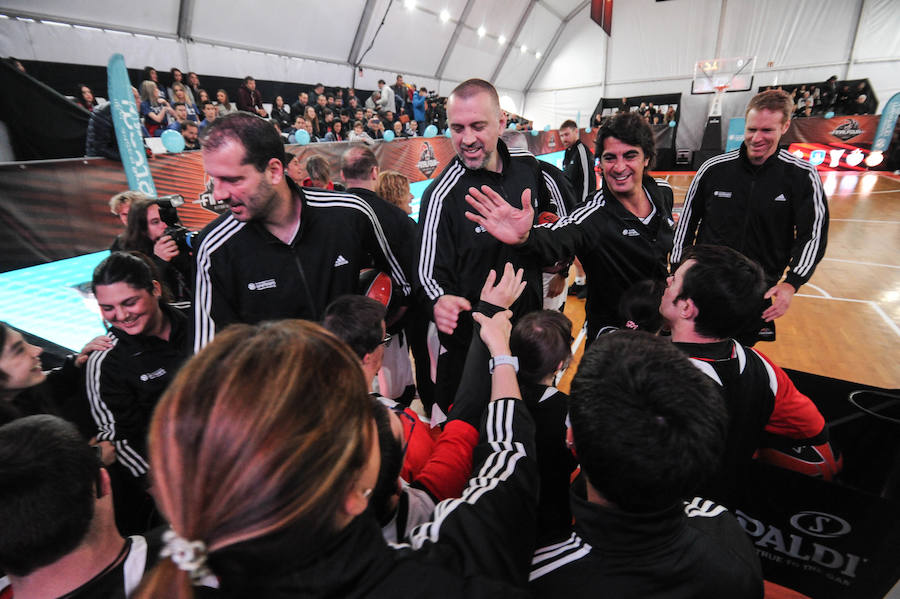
{"type": "Point", "coordinates": [181, 235]}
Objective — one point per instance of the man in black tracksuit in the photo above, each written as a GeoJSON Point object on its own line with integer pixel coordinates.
{"type": "Point", "coordinates": [578, 163]}
{"type": "Point", "coordinates": [763, 202]}
{"type": "Point", "coordinates": [282, 251]}
{"type": "Point", "coordinates": [455, 254]}
{"type": "Point", "coordinates": [622, 235]}
{"type": "Point", "coordinates": [647, 427]}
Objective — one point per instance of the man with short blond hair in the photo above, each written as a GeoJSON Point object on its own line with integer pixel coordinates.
{"type": "Point", "coordinates": [763, 202]}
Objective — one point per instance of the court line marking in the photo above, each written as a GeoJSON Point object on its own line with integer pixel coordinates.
{"type": "Point", "coordinates": [581, 335]}
{"type": "Point", "coordinates": [887, 319]}
{"type": "Point", "coordinates": [862, 220]}
{"type": "Point", "coordinates": [862, 263]}
{"type": "Point", "coordinates": [819, 289]}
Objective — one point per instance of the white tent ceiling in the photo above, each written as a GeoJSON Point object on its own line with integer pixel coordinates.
{"type": "Point", "coordinates": [652, 50]}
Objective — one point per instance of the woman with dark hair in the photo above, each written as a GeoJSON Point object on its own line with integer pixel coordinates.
{"type": "Point", "coordinates": [202, 97]}
{"type": "Point", "coordinates": [314, 124]}
{"type": "Point", "coordinates": [281, 112]}
{"type": "Point", "coordinates": [146, 233]}
{"type": "Point", "coordinates": [149, 344]}
{"type": "Point", "coordinates": [84, 97]}
{"type": "Point", "coordinates": [337, 131]}
{"type": "Point", "coordinates": [150, 74]}
{"type": "Point", "coordinates": [223, 104]}
{"type": "Point", "coordinates": [26, 389]}
{"type": "Point", "coordinates": [265, 453]}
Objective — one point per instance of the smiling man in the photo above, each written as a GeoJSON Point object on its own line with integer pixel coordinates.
{"type": "Point", "coordinates": [455, 255]}
{"type": "Point", "coordinates": [622, 234]}
{"type": "Point", "coordinates": [763, 202]}
{"type": "Point", "coordinates": [280, 251]}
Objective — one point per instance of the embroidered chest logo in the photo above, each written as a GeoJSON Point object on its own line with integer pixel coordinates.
{"type": "Point", "coordinates": [427, 162]}
{"type": "Point", "coordinates": [149, 376]}
{"type": "Point", "coordinates": [480, 229]}
{"type": "Point", "coordinates": [260, 285]}
{"type": "Point", "coordinates": [341, 261]}
{"type": "Point", "coordinates": [722, 194]}
{"type": "Point", "coordinates": [630, 233]}
{"type": "Point", "coordinates": [781, 198]}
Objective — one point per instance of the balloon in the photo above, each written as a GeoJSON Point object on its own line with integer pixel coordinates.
{"type": "Point", "coordinates": [447, 133]}
{"type": "Point", "coordinates": [302, 137]}
{"type": "Point", "coordinates": [534, 132]}
{"type": "Point", "coordinates": [388, 136]}
{"type": "Point", "coordinates": [671, 123]}
{"type": "Point", "coordinates": [546, 127]}
{"type": "Point", "coordinates": [431, 131]}
{"type": "Point", "coordinates": [511, 126]}
{"type": "Point", "coordinates": [587, 129]}
{"type": "Point", "coordinates": [829, 115]}
{"type": "Point", "coordinates": [172, 140]}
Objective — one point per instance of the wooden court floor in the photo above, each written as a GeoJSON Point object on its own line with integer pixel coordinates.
{"type": "Point", "coordinates": [844, 323]}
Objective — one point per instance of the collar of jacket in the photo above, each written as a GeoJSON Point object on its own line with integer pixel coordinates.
{"type": "Point", "coordinates": [266, 234]}
{"type": "Point", "coordinates": [648, 184]}
{"type": "Point", "coordinates": [502, 150]}
{"type": "Point", "coordinates": [613, 531]}
{"type": "Point", "coordinates": [754, 168]}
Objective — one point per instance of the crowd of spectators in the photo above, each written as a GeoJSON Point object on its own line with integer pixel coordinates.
{"type": "Point", "coordinates": [832, 96]}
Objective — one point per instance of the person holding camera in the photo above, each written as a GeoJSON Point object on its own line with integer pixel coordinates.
{"type": "Point", "coordinates": [149, 233]}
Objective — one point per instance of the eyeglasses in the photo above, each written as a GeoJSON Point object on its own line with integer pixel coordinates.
{"type": "Point", "coordinates": [387, 340]}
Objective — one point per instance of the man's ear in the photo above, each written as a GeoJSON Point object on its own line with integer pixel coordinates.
{"type": "Point", "coordinates": [687, 309]}
{"type": "Point", "coordinates": [275, 171]}
{"type": "Point", "coordinates": [104, 486]}
{"type": "Point", "coordinates": [368, 358]}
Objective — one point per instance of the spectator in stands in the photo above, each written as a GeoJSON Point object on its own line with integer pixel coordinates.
{"type": "Point", "coordinates": [319, 172]}
{"type": "Point", "coordinates": [375, 128]}
{"type": "Point", "coordinates": [670, 114]}
{"type": "Point", "coordinates": [337, 130]}
{"type": "Point", "coordinates": [178, 77]}
{"type": "Point", "coordinates": [860, 103]}
{"type": "Point", "coordinates": [149, 346]}
{"type": "Point", "coordinates": [190, 132]}
{"type": "Point", "coordinates": [101, 135]}
{"type": "Point", "coordinates": [829, 93]}
{"type": "Point", "coordinates": [712, 296]}
{"type": "Point", "coordinates": [249, 98]}
{"type": "Point", "coordinates": [328, 123]}
{"type": "Point", "coordinates": [300, 124]}
{"type": "Point", "coordinates": [180, 93]}
{"type": "Point", "coordinates": [299, 107]}
{"type": "Point", "coordinates": [120, 206]}
{"type": "Point", "coordinates": [388, 119]}
{"type": "Point", "coordinates": [202, 98]}
{"type": "Point", "coordinates": [647, 427]}
{"type": "Point", "coordinates": [181, 116]}
{"type": "Point", "coordinates": [399, 131]}
{"type": "Point", "coordinates": [358, 133]}
{"type": "Point", "coordinates": [412, 128]}
{"type": "Point", "coordinates": [393, 187]}
{"type": "Point", "coordinates": [315, 125]}
{"type": "Point", "coordinates": [281, 112]}
{"type": "Point", "coordinates": [386, 100]}
{"type": "Point", "coordinates": [193, 85]}
{"type": "Point", "coordinates": [59, 533]}
{"type": "Point", "coordinates": [418, 106]}
{"type": "Point", "coordinates": [373, 101]}
{"type": "Point", "coordinates": [293, 168]}
{"type": "Point", "coordinates": [321, 105]}
{"type": "Point", "coordinates": [150, 74]}
{"type": "Point", "coordinates": [223, 104]}
{"type": "Point", "coordinates": [210, 112]}
{"type": "Point", "coordinates": [401, 95]}
{"type": "Point", "coordinates": [154, 110]}
{"type": "Point", "coordinates": [85, 97]}
{"type": "Point", "coordinates": [316, 461]}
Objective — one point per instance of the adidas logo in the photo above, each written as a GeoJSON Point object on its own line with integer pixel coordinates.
{"type": "Point", "coordinates": [630, 233]}
{"type": "Point", "coordinates": [722, 194]}
{"type": "Point", "coordinates": [340, 261]}
{"type": "Point", "coordinates": [781, 198]}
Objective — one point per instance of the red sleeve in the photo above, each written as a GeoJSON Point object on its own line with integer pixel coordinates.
{"type": "Point", "coordinates": [795, 415]}
{"type": "Point", "coordinates": [447, 471]}
{"type": "Point", "coordinates": [420, 448]}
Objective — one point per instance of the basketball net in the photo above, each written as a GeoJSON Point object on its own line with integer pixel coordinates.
{"type": "Point", "coordinates": [716, 108]}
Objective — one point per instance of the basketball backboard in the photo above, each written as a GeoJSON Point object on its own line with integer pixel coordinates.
{"type": "Point", "coordinates": [723, 74]}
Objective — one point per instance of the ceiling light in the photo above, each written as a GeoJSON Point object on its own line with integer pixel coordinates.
{"type": "Point", "coordinates": [445, 15]}
{"type": "Point", "coordinates": [537, 54]}
{"type": "Point", "coordinates": [409, 4]}
{"type": "Point", "coordinates": [501, 40]}
{"type": "Point", "coordinates": [524, 48]}
{"type": "Point", "coordinates": [481, 31]}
